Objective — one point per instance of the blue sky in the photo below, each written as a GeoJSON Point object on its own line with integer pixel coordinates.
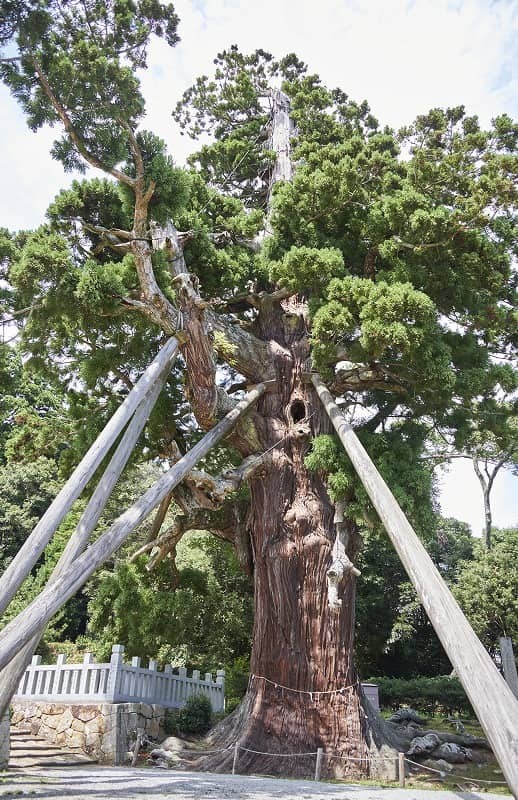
{"type": "Point", "coordinates": [403, 56]}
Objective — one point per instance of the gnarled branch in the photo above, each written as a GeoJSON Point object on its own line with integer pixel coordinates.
{"type": "Point", "coordinates": [62, 113]}
{"type": "Point", "coordinates": [206, 503]}
{"type": "Point", "coordinates": [364, 378]}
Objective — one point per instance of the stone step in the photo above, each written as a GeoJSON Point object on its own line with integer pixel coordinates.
{"type": "Point", "coordinates": [34, 744]}
{"type": "Point", "coordinates": [30, 750]}
{"type": "Point", "coordinates": [49, 761]}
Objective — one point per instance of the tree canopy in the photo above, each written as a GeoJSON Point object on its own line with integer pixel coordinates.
{"type": "Point", "coordinates": [381, 259]}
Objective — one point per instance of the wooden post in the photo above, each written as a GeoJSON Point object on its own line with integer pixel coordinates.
{"type": "Point", "coordinates": [492, 700]}
{"type": "Point", "coordinates": [41, 610]}
{"type": "Point", "coordinates": [12, 673]}
{"type": "Point", "coordinates": [138, 745]}
{"type": "Point", "coordinates": [318, 765]}
{"type": "Point", "coordinates": [236, 756]}
{"type": "Point", "coordinates": [401, 768]}
{"type": "Point", "coordinates": [33, 547]}
{"type": "Point", "coordinates": [509, 664]}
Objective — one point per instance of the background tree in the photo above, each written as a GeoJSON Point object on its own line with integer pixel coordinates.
{"type": "Point", "coordinates": [493, 446]}
{"type": "Point", "coordinates": [390, 275]}
{"type": "Point", "coordinates": [487, 589]}
{"type": "Point", "coordinates": [206, 621]}
{"type": "Point", "coordinates": [394, 637]}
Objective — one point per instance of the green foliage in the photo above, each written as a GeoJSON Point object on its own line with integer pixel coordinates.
{"type": "Point", "coordinates": [397, 453]}
{"type": "Point", "coordinates": [237, 676]}
{"type": "Point", "coordinates": [427, 695]}
{"type": "Point", "coordinates": [454, 544]}
{"type": "Point", "coordinates": [26, 491]}
{"type": "Point", "coordinates": [487, 589]}
{"type": "Point", "coordinates": [390, 324]}
{"type": "Point", "coordinates": [96, 202]}
{"type": "Point", "coordinates": [70, 621]}
{"type": "Point", "coordinates": [394, 635]}
{"type": "Point", "coordinates": [232, 107]}
{"type": "Point", "coordinates": [172, 183]}
{"type": "Point", "coordinates": [194, 718]}
{"type": "Point", "coordinates": [205, 622]}
{"type": "Point", "coordinates": [307, 267]}
{"type": "Point", "coordinates": [87, 53]}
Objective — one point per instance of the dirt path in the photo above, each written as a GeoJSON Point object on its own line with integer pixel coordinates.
{"type": "Point", "coordinates": [121, 783]}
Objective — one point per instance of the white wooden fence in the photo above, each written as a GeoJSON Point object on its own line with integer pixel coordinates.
{"type": "Point", "coordinates": [116, 682]}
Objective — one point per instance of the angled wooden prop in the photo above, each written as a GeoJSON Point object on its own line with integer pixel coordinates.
{"type": "Point", "coordinates": [12, 673]}
{"type": "Point", "coordinates": [492, 700]}
{"type": "Point", "coordinates": [33, 547]}
{"type": "Point", "coordinates": [21, 629]}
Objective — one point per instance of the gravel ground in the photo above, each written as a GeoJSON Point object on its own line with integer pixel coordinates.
{"type": "Point", "coordinates": [121, 783]}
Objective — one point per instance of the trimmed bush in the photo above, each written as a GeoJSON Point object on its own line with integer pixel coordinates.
{"type": "Point", "coordinates": [194, 718]}
{"type": "Point", "coordinates": [428, 695]}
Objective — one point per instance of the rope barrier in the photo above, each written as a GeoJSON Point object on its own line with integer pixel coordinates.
{"type": "Point", "coordinates": [330, 755]}
{"type": "Point", "coordinates": [302, 691]}
{"type": "Point", "coordinates": [443, 774]}
{"type": "Point", "coordinates": [208, 752]}
{"type": "Point", "coordinates": [280, 755]}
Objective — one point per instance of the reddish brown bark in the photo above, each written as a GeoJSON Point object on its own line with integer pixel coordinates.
{"type": "Point", "coordinates": [301, 647]}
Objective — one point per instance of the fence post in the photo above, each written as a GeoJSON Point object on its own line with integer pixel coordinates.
{"type": "Point", "coordinates": [236, 754]}
{"type": "Point", "coordinates": [115, 672]}
{"type": "Point", "coordinates": [153, 681]}
{"type": "Point", "coordinates": [183, 691]}
{"type": "Point", "coordinates": [33, 675]}
{"type": "Point", "coordinates": [88, 659]}
{"type": "Point", "coordinates": [135, 676]}
{"type": "Point", "coordinates": [401, 768]}
{"type": "Point", "coordinates": [56, 683]}
{"type": "Point", "coordinates": [220, 696]}
{"type": "Point", "coordinates": [318, 765]}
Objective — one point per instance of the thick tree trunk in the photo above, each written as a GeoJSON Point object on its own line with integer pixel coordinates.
{"type": "Point", "coordinates": [304, 692]}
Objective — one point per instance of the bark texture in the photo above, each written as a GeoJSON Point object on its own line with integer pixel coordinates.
{"type": "Point", "coordinates": [303, 692]}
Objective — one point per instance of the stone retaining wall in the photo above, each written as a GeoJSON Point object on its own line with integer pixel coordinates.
{"type": "Point", "coordinates": [104, 731]}
{"type": "Point", "coordinates": [4, 741]}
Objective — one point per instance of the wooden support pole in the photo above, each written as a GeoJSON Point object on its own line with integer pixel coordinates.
{"type": "Point", "coordinates": [41, 610]}
{"type": "Point", "coordinates": [492, 700]}
{"type": "Point", "coordinates": [104, 488]}
{"type": "Point", "coordinates": [33, 547]}
{"type": "Point", "coordinates": [12, 673]}
{"type": "Point", "coordinates": [508, 664]}
{"type": "Point", "coordinates": [318, 764]}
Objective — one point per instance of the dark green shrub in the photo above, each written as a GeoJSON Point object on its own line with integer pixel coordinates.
{"type": "Point", "coordinates": [427, 695]}
{"type": "Point", "coordinates": [237, 676]}
{"type": "Point", "coordinates": [194, 718]}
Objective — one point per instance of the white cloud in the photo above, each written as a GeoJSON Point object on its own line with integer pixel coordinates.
{"type": "Point", "coordinates": [403, 56]}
